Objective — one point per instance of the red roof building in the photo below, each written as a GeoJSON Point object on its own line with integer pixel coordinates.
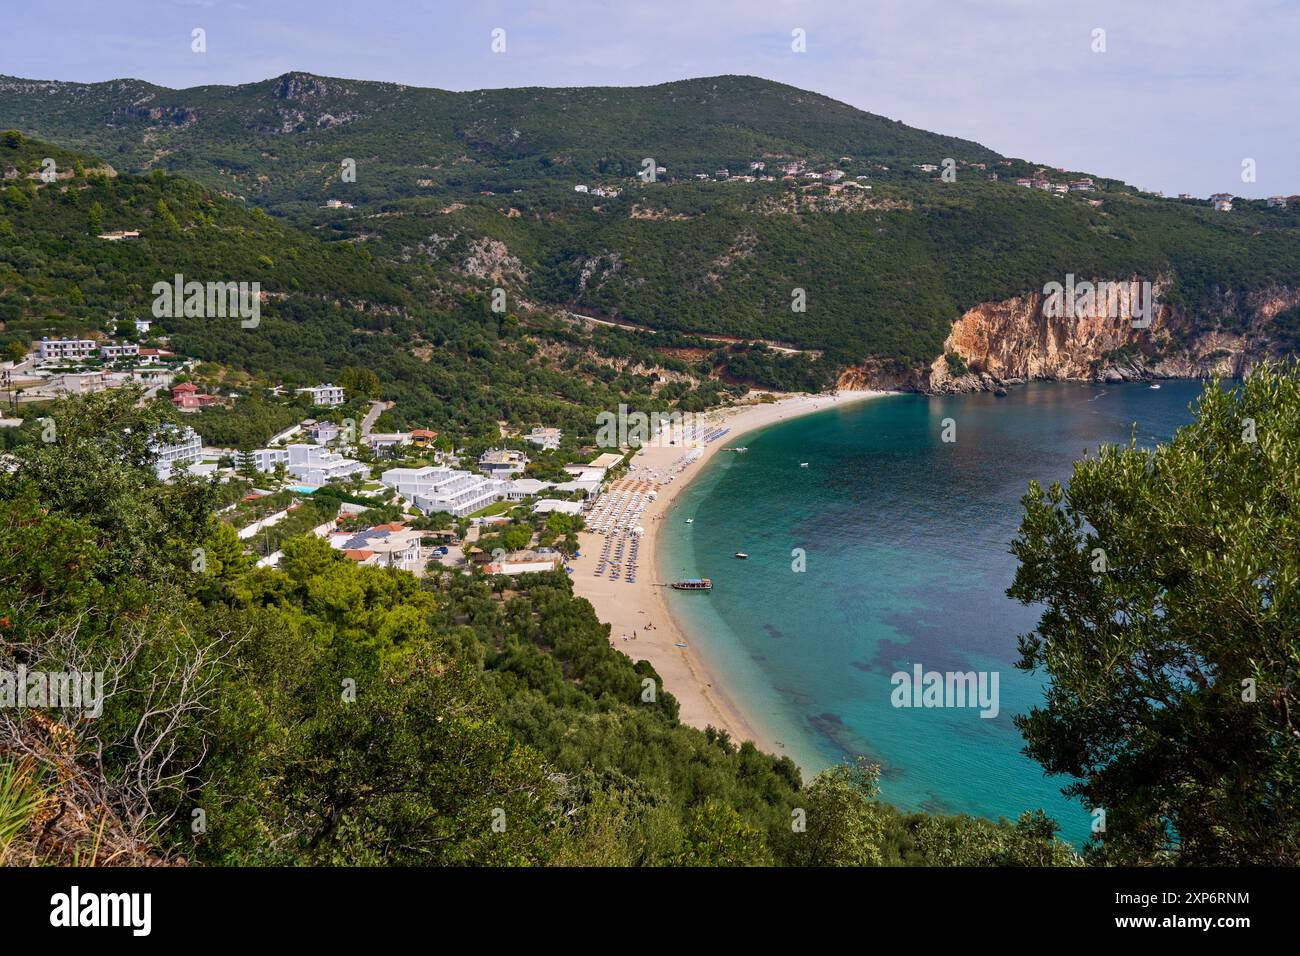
{"type": "Point", "coordinates": [187, 396]}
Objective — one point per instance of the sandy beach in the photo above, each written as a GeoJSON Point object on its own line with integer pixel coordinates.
{"type": "Point", "coordinates": [629, 607]}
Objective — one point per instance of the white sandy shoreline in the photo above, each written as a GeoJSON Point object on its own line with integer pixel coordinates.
{"type": "Point", "coordinates": [627, 608]}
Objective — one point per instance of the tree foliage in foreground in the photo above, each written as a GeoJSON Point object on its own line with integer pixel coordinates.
{"type": "Point", "coordinates": [1170, 635]}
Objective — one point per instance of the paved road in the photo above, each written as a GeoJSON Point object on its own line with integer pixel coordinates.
{"type": "Point", "coordinates": [723, 339]}
{"type": "Point", "coordinates": [372, 416]}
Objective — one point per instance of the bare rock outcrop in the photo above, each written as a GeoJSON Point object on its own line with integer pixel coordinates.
{"type": "Point", "coordinates": [996, 344]}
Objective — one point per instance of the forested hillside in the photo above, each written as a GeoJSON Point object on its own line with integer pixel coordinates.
{"type": "Point", "coordinates": [329, 713]}
{"type": "Point", "coordinates": [282, 140]}
{"type": "Point", "coordinates": [438, 350]}
{"type": "Point", "coordinates": [479, 188]}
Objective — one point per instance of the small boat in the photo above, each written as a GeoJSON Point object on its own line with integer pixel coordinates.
{"type": "Point", "coordinates": [741, 554]}
{"type": "Point", "coordinates": [742, 450]}
{"type": "Point", "coordinates": [693, 584]}
{"type": "Point", "coordinates": [1154, 385]}
{"type": "Point", "coordinates": [803, 464]}
{"type": "Point", "coordinates": [690, 521]}
{"type": "Point", "coordinates": [679, 644]}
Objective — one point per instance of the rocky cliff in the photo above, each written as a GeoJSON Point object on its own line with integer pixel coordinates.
{"type": "Point", "coordinates": [1027, 337]}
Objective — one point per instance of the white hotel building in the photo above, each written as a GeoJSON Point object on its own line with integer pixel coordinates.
{"type": "Point", "coordinates": [119, 351]}
{"type": "Point", "coordinates": [310, 464]}
{"type": "Point", "coordinates": [51, 349]}
{"type": "Point", "coordinates": [184, 449]}
{"type": "Point", "coordinates": [432, 489]}
{"type": "Point", "coordinates": [324, 394]}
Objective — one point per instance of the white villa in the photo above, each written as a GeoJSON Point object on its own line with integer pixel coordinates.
{"type": "Point", "coordinates": [547, 438]}
{"type": "Point", "coordinates": [324, 394]}
{"type": "Point", "coordinates": [385, 546]}
{"type": "Point", "coordinates": [383, 441]}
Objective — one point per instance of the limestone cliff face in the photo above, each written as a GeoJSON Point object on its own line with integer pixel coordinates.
{"type": "Point", "coordinates": [1014, 340]}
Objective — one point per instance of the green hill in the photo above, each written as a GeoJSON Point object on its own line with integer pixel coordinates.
{"type": "Point", "coordinates": [283, 139]}
{"type": "Point", "coordinates": [438, 350]}
{"type": "Point", "coordinates": [477, 189]}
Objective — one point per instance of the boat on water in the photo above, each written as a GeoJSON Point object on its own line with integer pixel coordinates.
{"type": "Point", "coordinates": [1154, 385]}
{"type": "Point", "coordinates": [741, 554]}
{"type": "Point", "coordinates": [690, 521]}
{"type": "Point", "coordinates": [803, 464]}
{"type": "Point", "coordinates": [693, 584]}
{"type": "Point", "coordinates": [742, 449]}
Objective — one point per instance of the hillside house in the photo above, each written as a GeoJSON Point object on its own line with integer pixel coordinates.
{"type": "Point", "coordinates": [324, 395]}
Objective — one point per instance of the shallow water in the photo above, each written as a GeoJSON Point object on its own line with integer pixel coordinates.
{"type": "Point", "coordinates": [905, 538]}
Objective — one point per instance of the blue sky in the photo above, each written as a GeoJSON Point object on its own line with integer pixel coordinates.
{"type": "Point", "coordinates": [1184, 92]}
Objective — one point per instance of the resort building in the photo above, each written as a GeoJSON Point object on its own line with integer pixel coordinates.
{"type": "Point", "coordinates": [175, 451]}
{"type": "Point", "coordinates": [114, 352]}
{"type": "Point", "coordinates": [589, 489]}
{"type": "Point", "coordinates": [1277, 201]}
{"type": "Point", "coordinates": [423, 437]}
{"type": "Point", "coordinates": [502, 462]}
{"type": "Point", "coordinates": [386, 441]}
{"type": "Point", "coordinates": [324, 394]}
{"type": "Point", "coordinates": [265, 459]}
{"type": "Point", "coordinates": [522, 488]}
{"type": "Point", "coordinates": [77, 383]}
{"type": "Point", "coordinates": [55, 349]}
{"type": "Point", "coordinates": [310, 464]}
{"type": "Point", "coordinates": [142, 326]}
{"type": "Point", "coordinates": [315, 465]}
{"type": "Point", "coordinates": [585, 473]}
{"type": "Point", "coordinates": [385, 546]}
{"type": "Point", "coordinates": [433, 488]}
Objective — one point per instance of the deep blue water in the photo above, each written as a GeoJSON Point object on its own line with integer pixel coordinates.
{"type": "Point", "coordinates": [906, 541]}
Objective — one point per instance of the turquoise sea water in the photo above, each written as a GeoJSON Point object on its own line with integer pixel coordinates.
{"type": "Point", "coordinates": [906, 563]}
